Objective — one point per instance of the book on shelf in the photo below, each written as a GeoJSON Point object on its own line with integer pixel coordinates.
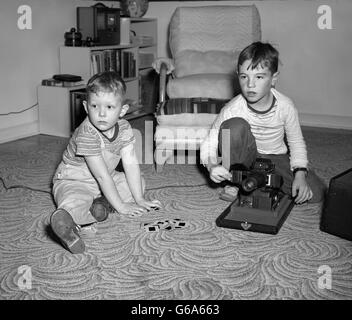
{"type": "Point", "coordinates": [72, 84]}
{"type": "Point", "coordinates": [117, 61]}
{"type": "Point", "coordinates": [125, 63]}
{"type": "Point", "coordinates": [128, 64]}
{"type": "Point", "coordinates": [144, 40]}
{"type": "Point", "coordinates": [97, 62]}
{"type": "Point", "coordinates": [105, 60]}
{"type": "Point", "coordinates": [108, 64]}
{"type": "Point", "coordinates": [57, 83]}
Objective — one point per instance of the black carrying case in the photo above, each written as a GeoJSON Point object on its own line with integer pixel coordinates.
{"type": "Point", "coordinates": [336, 217]}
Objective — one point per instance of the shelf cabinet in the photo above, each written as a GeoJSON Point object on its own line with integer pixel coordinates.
{"type": "Point", "coordinates": [133, 61]}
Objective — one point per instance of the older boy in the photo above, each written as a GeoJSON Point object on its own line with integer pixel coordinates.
{"type": "Point", "coordinates": [87, 170]}
{"type": "Point", "coordinates": [256, 122]}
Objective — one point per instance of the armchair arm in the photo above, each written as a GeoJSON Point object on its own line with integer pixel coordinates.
{"type": "Point", "coordinates": [163, 66]}
{"type": "Point", "coordinates": [162, 82]}
{"type": "Point", "coordinates": [167, 61]}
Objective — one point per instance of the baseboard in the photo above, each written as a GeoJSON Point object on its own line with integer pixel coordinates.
{"type": "Point", "coordinates": [325, 121]}
{"type": "Point", "coordinates": [18, 132]}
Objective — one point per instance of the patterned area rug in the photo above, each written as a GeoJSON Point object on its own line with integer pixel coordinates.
{"type": "Point", "coordinates": [201, 261]}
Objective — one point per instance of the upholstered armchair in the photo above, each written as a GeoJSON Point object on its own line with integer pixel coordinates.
{"type": "Point", "coordinates": [204, 43]}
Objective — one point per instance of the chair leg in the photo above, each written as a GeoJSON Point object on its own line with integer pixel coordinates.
{"type": "Point", "coordinates": [192, 157]}
{"type": "Point", "coordinates": [186, 157]}
{"type": "Point", "coordinates": [161, 156]}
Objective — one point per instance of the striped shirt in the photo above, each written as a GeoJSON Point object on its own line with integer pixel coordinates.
{"type": "Point", "coordinates": [86, 141]}
{"type": "Point", "coordinates": [268, 128]}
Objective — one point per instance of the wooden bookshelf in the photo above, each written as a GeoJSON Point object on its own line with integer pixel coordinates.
{"type": "Point", "coordinates": [55, 103]}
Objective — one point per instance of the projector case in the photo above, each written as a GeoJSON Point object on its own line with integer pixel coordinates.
{"type": "Point", "coordinates": [257, 220]}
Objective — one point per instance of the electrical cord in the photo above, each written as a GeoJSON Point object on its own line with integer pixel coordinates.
{"type": "Point", "coordinates": [48, 192]}
{"type": "Point", "coordinates": [179, 186]}
{"type": "Point", "coordinates": [17, 112]}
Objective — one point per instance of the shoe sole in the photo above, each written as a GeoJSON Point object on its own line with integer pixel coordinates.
{"type": "Point", "coordinates": [64, 228]}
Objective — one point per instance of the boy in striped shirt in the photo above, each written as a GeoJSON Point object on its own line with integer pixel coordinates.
{"type": "Point", "coordinates": [255, 123]}
{"type": "Point", "coordinates": [86, 186]}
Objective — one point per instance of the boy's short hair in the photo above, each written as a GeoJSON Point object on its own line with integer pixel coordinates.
{"type": "Point", "coordinates": [260, 53]}
{"type": "Point", "coordinates": [108, 81]}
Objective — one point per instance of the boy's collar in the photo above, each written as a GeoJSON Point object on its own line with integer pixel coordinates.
{"type": "Point", "coordinates": [116, 132]}
{"type": "Point", "coordinates": [265, 111]}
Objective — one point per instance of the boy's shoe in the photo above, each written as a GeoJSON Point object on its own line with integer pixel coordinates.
{"type": "Point", "coordinates": [67, 231]}
{"type": "Point", "coordinates": [229, 193]}
{"type": "Point", "coordinates": [101, 209]}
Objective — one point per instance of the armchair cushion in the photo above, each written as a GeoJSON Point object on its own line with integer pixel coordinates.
{"type": "Point", "coordinates": [180, 137]}
{"type": "Point", "coordinates": [214, 85]}
{"type": "Point", "coordinates": [204, 28]}
{"type": "Point", "coordinates": [187, 120]}
{"type": "Point", "coordinates": [189, 62]}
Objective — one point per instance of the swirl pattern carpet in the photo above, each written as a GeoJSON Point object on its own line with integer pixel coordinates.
{"type": "Point", "coordinates": [201, 261]}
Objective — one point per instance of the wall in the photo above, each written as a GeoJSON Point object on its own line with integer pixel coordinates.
{"type": "Point", "coordinates": [27, 57]}
{"type": "Point", "coordinates": [315, 73]}
{"type": "Point", "coordinates": [316, 68]}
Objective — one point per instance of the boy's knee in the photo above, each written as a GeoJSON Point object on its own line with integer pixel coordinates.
{"type": "Point", "coordinates": [235, 123]}
{"type": "Point", "coordinates": [236, 129]}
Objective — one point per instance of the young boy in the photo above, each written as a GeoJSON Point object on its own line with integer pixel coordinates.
{"type": "Point", "coordinates": [255, 124]}
{"type": "Point", "coordinates": [86, 186]}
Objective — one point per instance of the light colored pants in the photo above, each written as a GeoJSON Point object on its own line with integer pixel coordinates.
{"type": "Point", "coordinates": [76, 196]}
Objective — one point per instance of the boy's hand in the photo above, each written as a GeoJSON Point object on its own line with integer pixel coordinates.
{"type": "Point", "coordinates": [301, 189]}
{"type": "Point", "coordinates": [148, 205]}
{"type": "Point", "coordinates": [131, 208]}
{"type": "Point", "coordinates": [218, 173]}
